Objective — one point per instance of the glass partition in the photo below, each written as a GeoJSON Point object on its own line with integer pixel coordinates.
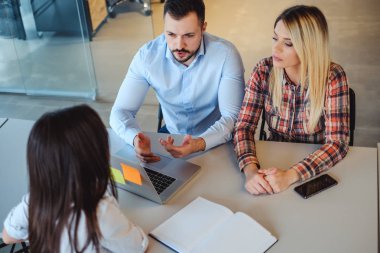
{"type": "Point", "coordinates": [45, 48]}
{"type": "Point", "coordinates": [10, 74]}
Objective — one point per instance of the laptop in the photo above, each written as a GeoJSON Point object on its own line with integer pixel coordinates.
{"type": "Point", "coordinates": [159, 180]}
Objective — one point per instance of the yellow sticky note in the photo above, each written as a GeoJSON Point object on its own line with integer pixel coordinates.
{"type": "Point", "coordinates": [131, 174]}
{"type": "Point", "coordinates": [117, 176]}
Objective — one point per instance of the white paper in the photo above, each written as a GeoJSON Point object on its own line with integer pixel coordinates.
{"type": "Point", "coordinates": [191, 224]}
{"type": "Point", "coordinates": [204, 226]}
{"type": "Point", "coordinates": [240, 233]}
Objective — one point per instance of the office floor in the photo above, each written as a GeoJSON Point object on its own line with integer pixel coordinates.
{"type": "Point", "coordinates": [248, 24]}
{"type": "Point", "coordinates": [112, 50]}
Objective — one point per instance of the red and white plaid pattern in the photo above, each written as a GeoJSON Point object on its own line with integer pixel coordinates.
{"type": "Point", "coordinates": [290, 122]}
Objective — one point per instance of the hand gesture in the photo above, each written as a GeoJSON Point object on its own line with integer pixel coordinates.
{"type": "Point", "coordinates": [141, 143]}
{"type": "Point", "coordinates": [188, 146]}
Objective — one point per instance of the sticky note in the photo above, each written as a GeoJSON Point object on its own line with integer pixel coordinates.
{"type": "Point", "coordinates": [117, 176]}
{"type": "Point", "coordinates": [131, 174]}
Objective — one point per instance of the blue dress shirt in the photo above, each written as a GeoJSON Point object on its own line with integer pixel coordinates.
{"type": "Point", "coordinates": [202, 99]}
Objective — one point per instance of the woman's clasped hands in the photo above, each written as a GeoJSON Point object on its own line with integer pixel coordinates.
{"type": "Point", "coordinates": [268, 181]}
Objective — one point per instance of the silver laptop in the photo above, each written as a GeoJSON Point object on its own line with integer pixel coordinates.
{"type": "Point", "coordinates": [160, 180]}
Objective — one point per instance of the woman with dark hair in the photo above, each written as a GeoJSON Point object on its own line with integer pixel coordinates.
{"type": "Point", "coordinates": [71, 206]}
{"type": "Point", "coordinates": [305, 97]}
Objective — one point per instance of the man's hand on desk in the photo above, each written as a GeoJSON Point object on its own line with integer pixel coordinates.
{"type": "Point", "coordinates": [255, 182]}
{"type": "Point", "coordinates": [188, 146]}
{"type": "Point", "coordinates": [279, 179]}
{"type": "Point", "coordinates": [142, 146]}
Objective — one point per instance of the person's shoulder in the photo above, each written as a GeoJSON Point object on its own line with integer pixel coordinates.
{"type": "Point", "coordinates": [265, 65]}
{"type": "Point", "coordinates": [153, 47]}
{"type": "Point", "coordinates": [219, 43]}
{"type": "Point", "coordinates": [266, 62]}
{"type": "Point", "coordinates": [157, 42]}
{"type": "Point", "coordinates": [106, 202]}
{"type": "Point", "coordinates": [108, 210]}
{"type": "Point", "coordinates": [261, 72]}
{"type": "Point", "coordinates": [337, 77]}
{"type": "Point", "coordinates": [336, 71]}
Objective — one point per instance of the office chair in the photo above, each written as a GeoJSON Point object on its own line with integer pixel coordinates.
{"type": "Point", "coordinates": [11, 25]}
{"type": "Point", "coordinates": [24, 249]}
{"type": "Point", "coordinates": [160, 118]}
{"type": "Point", "coordinates": [352, 115]}
{"type": "Point", "coordinates": [263, 134]}
{"type": "Point", "coordinates": [111, 4]}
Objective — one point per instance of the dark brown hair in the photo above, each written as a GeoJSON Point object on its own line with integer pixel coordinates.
{"type": "Point", "coordinates": [180, 8]}
{"type": "Point", "coordinates": [68, 163]}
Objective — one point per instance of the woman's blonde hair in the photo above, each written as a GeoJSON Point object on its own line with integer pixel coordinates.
{"type": "Point", "coordinates": [308, 32]}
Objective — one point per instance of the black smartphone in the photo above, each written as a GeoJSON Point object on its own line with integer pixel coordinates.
{"type": "Point", "coordinates": [315, 186]}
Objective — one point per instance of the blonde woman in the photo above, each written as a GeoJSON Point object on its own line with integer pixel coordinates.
{"type": "Point", "coordinates": [305, 98]}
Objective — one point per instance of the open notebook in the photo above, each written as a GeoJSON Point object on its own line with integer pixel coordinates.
{"type": "Point", "coordinates": [204, 226]}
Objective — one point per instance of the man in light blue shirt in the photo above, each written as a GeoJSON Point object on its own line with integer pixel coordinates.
{"type": "Point", "coordinates": [198, 79]}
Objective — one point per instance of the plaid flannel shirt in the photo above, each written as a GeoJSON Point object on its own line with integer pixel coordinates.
{"type": "Point", "coordinates": [290, 123]}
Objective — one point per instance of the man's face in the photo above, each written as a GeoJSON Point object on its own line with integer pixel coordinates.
{"type": "Point", "coordinates": [184, 36]}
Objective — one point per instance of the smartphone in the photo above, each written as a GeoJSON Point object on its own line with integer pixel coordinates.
{"type": "Point", "coordinates": [315, 186]}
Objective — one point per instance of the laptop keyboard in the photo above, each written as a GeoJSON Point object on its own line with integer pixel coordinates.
{"type": "Point", "coordinates": [159, 181]}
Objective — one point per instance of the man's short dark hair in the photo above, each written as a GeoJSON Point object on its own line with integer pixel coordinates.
{"type": "Point", "coordinates": [180, 8]}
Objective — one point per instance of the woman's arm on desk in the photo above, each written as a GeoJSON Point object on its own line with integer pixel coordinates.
{"type": "Point", "coordinates": [255, 182]}
{"type": "Point", "coordinates": [336, 120]}
{"type": "Point", "coordinates": [244, 133]}
{"type": "Point", "coordinates": [279, 179]}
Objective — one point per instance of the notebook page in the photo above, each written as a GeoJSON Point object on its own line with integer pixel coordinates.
{"type": "Point", "coordinates": [240, 233]}
{"type": "Point", "coordinates": [191, 224]}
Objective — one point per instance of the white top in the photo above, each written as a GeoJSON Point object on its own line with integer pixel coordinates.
{"type": "Point", "coordinates": [119, 234]}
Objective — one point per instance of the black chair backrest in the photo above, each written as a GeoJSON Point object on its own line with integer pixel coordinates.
{"type": "Point", "coordinates": [24, 247]}
{"type": "Point", "coordinates": [263, 134]}
{"type": "Point", "coordinates": [352, 115]}
{"type": "Point", "coordinates": [160, 118]}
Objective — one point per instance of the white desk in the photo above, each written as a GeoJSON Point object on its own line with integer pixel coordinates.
{"type": "Point", "coordinates": [341, 219]}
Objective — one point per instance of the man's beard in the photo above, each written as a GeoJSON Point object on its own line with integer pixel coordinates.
{"type": "Point", "coordinates": [184, 51]}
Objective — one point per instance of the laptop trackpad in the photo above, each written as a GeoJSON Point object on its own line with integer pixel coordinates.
{"type": "Point", "coordinates": [176, 168]}
{"type": "Point", "coordinates": [165, 161]}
